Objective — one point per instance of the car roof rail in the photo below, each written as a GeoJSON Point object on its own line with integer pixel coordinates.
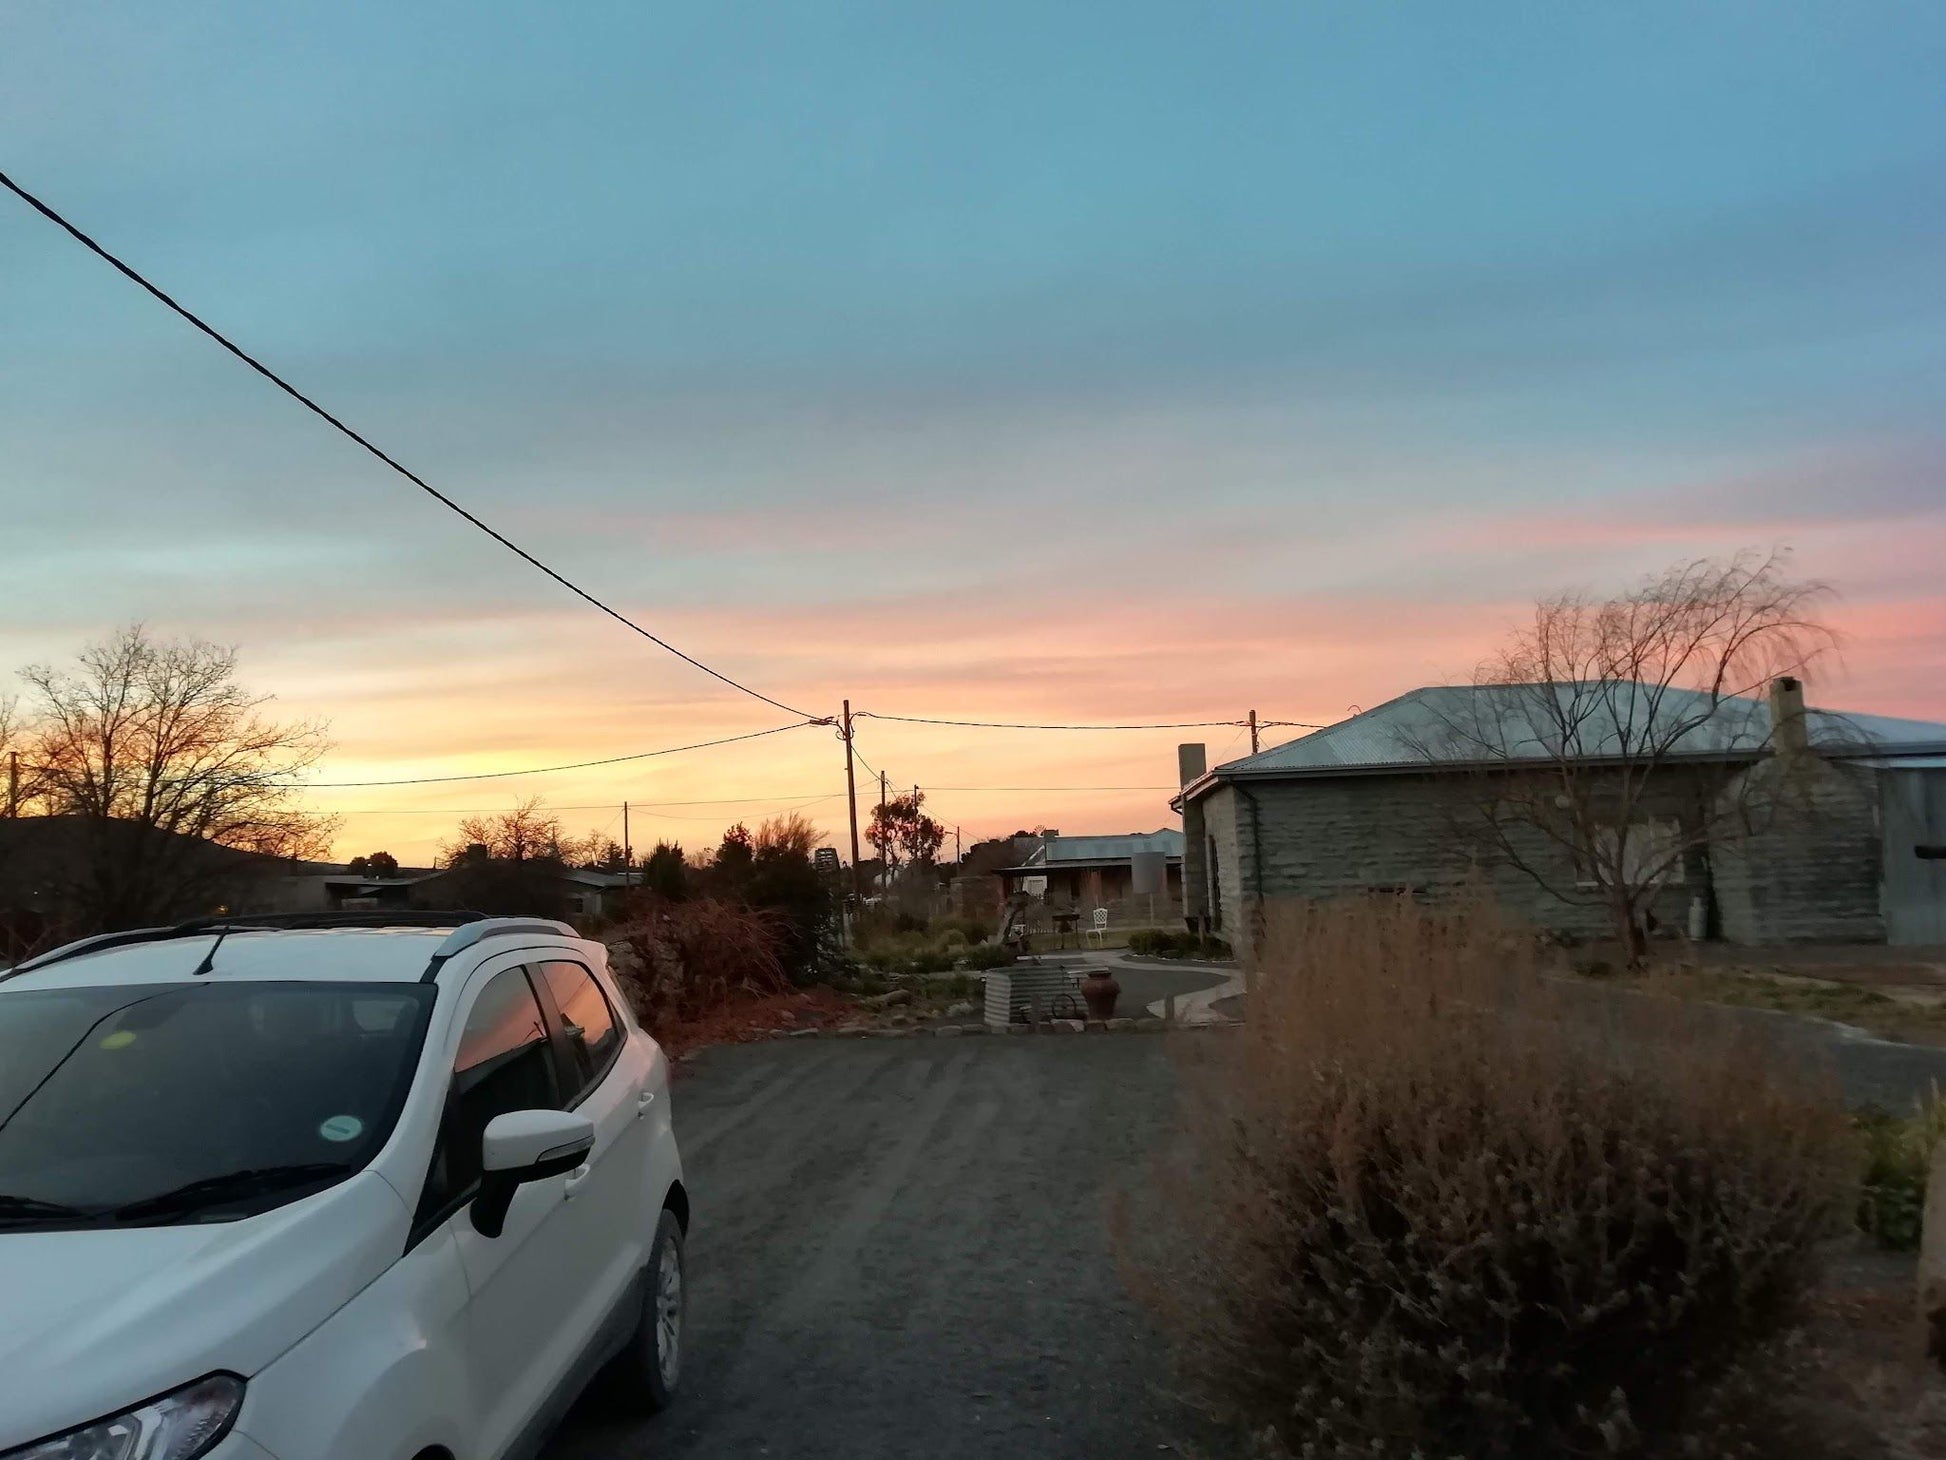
{"type": "Point", "coordinates": [252, 922]}
{"type": "Point", "coordinates": [100, 942]}
{"type": "Point", "coordinates": [460, 939]}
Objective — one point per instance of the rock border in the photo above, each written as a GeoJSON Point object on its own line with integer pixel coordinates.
{"type": "Point", "coordinates": [1147, 1024]}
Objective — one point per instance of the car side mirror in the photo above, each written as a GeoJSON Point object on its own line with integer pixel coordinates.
{"type": "Point", "coordinates": [523, 1146]}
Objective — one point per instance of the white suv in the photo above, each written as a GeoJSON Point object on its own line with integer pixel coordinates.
{"type": "Point", "coordinates": [357, 1192]}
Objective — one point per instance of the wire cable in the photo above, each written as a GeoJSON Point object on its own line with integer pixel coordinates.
{"type": "Point", "coordinates": [420, 482]}
{"type": "Point", "coordinates": [585, 806]}
{"type": "Point", "coordinates": [930, 789]}
{"type": "Point", "coordinates": [1007, 725]}
{"type": "Point", "coordinates": [581, 765]}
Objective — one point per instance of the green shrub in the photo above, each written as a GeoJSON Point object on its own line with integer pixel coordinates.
{"type": "Point", "coordinates": [1898, 1158]}
{"type": "Point", "coordinates": [970, 930]}
{"type": "Point", "coordinates": [907, 956]}
{"type": "Point", "coordinates": [954, 986]}
{"type": "Point", "coordinates": [983, 956]}
{"type": "Point", "coordinates": [1169, 943]}
{"type": "Point", "coordinates": [1447, 1207]}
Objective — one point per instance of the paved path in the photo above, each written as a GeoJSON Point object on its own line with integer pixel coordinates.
{"type": "Point", "coordinates": [900, 1251]}
{"type": "Point", "coordinates": [1146, 985]}
{"type": "Point", "coordinates": [1892, 1076]}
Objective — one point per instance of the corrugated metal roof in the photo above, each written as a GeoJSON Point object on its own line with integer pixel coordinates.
{"type": "Point", "coordinates": [1905, 762]}
{"type": "Point", "coordinates": [1121, 848]}
{"type": "Point", "coordinates": [1457, 724]}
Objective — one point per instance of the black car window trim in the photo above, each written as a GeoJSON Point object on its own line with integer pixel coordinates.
{"type": "Point", "coordinates": [566, 1069]}
{"type": "Point", "coordinates": [424, 1225]}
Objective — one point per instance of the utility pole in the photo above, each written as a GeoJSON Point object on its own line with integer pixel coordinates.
{"type": "Point", "coordinates": [851, 804]}
{"type": "Point", "coordinates": [884, 852]}
{"type": "Point", "coordinates": [1253, 732]}
{"type": "Point", "coordinates": [628, 851]}
{"type": "Point", "coordinates": [958, 855]}
{"type": "Point", "coordinates": [13, 783]}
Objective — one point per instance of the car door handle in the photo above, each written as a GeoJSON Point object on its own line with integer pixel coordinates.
{"type": "Point", "coordinates": [644, 1101]}
{"type": "Point", "coordinates": [576, 1179]}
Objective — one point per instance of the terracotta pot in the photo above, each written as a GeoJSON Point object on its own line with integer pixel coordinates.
{"type": "Point", "coordinates": [1101, 991]}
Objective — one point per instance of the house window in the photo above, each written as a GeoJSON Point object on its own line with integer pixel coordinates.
{"type": "Point", "coordinates": [1653, 853]}
{"type": "Point", "coordinates": [1215, 888]}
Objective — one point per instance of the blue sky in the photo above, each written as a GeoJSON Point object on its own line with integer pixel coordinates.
{"type": "Point", "coordinates": [1030, 361]}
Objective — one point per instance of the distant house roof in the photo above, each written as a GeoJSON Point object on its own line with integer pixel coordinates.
{"type": "Point", "coordinates": [589, 877]}
{"type": "Point", "coordinates": [1457, 725]}
{"type": "Point", "coordinates": [1077, 853]}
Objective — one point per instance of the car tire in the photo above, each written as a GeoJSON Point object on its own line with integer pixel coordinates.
{"type": "Point", "coordinates": [643, 1377]}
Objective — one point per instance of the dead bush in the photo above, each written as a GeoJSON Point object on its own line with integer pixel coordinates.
{"type": "Point", "coordinates": [1444, 1209]}
{"type": "Point", "coordinates": [679, 960]}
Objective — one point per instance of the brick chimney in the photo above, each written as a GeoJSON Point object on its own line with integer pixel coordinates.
{"type": "Point", "coordinates": [1191, 762]}
{"type": "Point", "coordinates": [1788, 734]}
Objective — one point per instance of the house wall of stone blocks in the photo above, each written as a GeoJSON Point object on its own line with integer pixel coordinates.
{"type": "Point", "coordinates": [1331, 836]}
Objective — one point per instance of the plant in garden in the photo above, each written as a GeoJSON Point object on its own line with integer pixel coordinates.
{"type": "Point", "coordinates": [1448, 1208]}
{"type": "Point", "coordinates": [681, 959]}
{"type": "Point", "coordinates": [1898, 1160]}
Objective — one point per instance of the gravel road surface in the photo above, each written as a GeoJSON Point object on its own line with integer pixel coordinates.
{"type": "Point", "coordinates": [899, 1250]}
{"type": "Point", "coordinates": [899, 1246]}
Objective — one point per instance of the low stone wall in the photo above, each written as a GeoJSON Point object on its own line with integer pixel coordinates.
{"type": "Point", "coordinates": [1030, 986]}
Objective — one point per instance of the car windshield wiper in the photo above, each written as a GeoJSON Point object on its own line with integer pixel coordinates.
{"type": "Point", "coordinates": [231, 1186]}
{"type": "Point", "coordinates": [32, 1208]}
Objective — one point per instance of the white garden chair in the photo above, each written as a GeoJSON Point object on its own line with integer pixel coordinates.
{"type": "Point", "coordinates": [1098, 929]}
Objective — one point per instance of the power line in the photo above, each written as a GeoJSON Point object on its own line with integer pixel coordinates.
{"type": "Point", "coordinates": [1007, 725]}
{"type": "Point", "coordinates": [651, 807]}
{"type": "Point", "coordinates": [438, 496]}
{"type": "Point", "coordinates": [801, 806]}
{"type": "Point", "coordinates": [861, 759]}
{"type": "Point", "coordinates": [930, 789]}
{"type": "Point", "coordinates": [588, 806]}
{"type": "Point", "coordinates": [549, 769]}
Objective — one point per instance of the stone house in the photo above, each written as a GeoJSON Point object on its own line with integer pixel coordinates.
{"type": "Point", "coordinates": [1082, 873]}
{"type": "Point", "coordinates": [1785, 824]}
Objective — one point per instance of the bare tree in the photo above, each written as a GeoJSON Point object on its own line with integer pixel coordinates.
{"type": "Point", "coordinates": [17, 786]}
{"type": "Point", "coordinates": [1603, 746]}
{"type": "Point", "coordinates": [160, 757]}
{"type": "Point", "coordinates": [527, 832]}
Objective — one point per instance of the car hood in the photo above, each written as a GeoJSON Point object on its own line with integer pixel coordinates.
{"type": "Point", "coordinates": [94, 1320]}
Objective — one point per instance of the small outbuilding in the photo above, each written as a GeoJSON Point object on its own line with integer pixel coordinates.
{"type": "Point", "coordinates": [1136, 876]}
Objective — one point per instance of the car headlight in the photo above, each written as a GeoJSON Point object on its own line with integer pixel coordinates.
{"type": "Point", "coordinates": [179, 1425]}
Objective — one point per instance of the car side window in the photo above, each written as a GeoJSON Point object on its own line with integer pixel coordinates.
{"type": "Point", "coordinates": [587, 1026]}
{"type": "Point", "coordinates": [503, 1064]}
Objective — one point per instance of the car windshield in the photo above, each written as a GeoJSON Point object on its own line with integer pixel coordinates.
{"type": "Point", "coordinates": [147, 1104]}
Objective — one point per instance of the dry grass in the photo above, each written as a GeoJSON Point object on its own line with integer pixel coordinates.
{"type": "Point", "coordinates": [1444, 1208]}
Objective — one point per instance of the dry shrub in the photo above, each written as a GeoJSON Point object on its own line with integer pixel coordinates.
{"type": "Point", "coordinates": [1443, 1206]}
{"type": "Point", "coordinates": [679, 960]}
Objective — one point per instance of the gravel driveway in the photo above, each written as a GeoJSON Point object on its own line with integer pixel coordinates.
{"type": "Point", "coordinates": [900, 1250]}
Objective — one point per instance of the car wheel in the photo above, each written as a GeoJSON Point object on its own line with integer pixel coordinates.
{"type": "Point", "coordinates": [644, 1375]}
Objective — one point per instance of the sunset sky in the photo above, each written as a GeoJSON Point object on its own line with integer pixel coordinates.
{"type": "Point", "coordinates": [1072, 362]}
